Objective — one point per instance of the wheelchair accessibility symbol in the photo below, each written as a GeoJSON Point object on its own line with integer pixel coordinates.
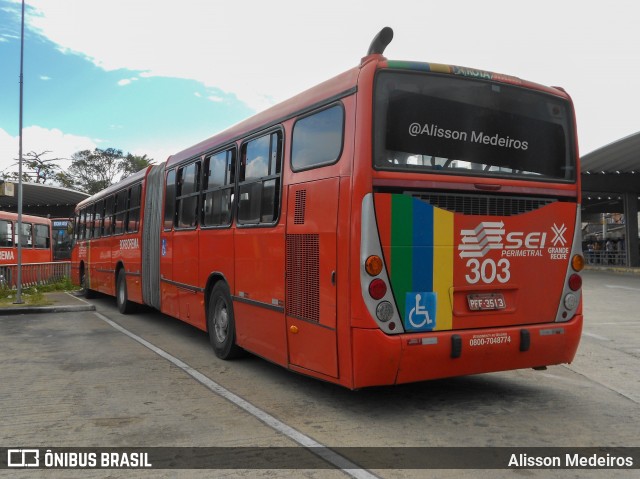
{"type": "Point", "coordinates": [420, 311]}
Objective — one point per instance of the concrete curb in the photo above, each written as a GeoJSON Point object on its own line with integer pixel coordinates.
{"type": "Point", "coordinates": [45, 309]}
{"type": "Point", "coordinates": [613, 269]}
{"type": "Point", "coordinates": [70, 303]}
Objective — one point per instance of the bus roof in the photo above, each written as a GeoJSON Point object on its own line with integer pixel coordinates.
{"type": "Point", "coordinates": [335, 88]}
{"type": "Point", "coordinates": [129, 180]}
{"type": "Point", "coordinates": [9, 215]}
{"type": "Point", "coordinates": [469, 73]}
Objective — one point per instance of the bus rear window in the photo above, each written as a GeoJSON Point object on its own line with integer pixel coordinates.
{"type": "Point", "coordinates": [439, 123]}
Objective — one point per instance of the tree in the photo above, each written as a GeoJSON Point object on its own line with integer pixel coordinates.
{"type": "Point", "coordinates": [133, 163]}
{"type": "Point", "coordinates": [93, 171]}
{"type": "Point", "coordinates": [35, 169]}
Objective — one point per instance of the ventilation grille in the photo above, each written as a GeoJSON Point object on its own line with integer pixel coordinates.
{"type": "Point", "coordinates": [483, 204]}
{"type": "Point", "coordinates": [301, 203]}
{"type": "Point", "coordinates": [303, 278]}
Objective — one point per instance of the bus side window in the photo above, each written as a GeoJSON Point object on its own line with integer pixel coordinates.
{"type": "Point", "coordinates": [170, 200]}
{"type": "Point", "coordinates": [81, 223]}
{"type": "Point", "coordinates": [217, 188]}
{"type": "Point", "coordinates": [6, 234]}
{"type": "Point", "coordinates": [187, 195]}
{"type": "Point", "coordinates": [98, 219]}
{"type": "Point", "coordinates": [107, 225]}
{"type": "Point", "coordinates": [89, 222]}
{"type": "Point", "coordinates": [27, 238]}
{"type": "Point", "coordinates": [42, 236]}
{"type": "Point", "coordinates": [134, 208]}
{"type": "Point", "coordinates": [121, 211]}
{"type": "Point", "coordinates": [259, 186]}
{"type": "Point", "coordinates": [317, 139]}
{"type": "Point", "coordinates": [76, 225]}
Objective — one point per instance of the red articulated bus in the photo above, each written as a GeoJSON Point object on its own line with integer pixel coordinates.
{"type": "Point", "coordinates": [36, 239]}
{"type": "Point", "coordinates": [400, 222]}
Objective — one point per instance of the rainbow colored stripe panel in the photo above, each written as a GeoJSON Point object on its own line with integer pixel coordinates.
{"type": "Point", "coordinates": [417, 241]}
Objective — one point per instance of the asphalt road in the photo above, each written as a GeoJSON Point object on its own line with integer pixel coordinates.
{"type": "Point", "coordinates": [104, 379]}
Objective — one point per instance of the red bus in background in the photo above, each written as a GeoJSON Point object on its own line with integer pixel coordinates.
{"type": "Point", "coordinates": [400, 222]}
{"type": "Point", "coordinates": [36, 239]}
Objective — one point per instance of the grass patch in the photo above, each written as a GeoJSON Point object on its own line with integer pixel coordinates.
{"type": "Point", "coordinates": [34, 295]}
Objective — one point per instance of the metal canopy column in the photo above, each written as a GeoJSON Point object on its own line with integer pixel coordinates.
{"type": "Point", "coordinates": [630, 201]}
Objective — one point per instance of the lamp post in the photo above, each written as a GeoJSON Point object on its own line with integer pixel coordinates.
{"type": "Point", "coordinates": [19, 279]}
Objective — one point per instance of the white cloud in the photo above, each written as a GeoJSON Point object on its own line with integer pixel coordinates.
{"type": "Point", "coordinates": [155, 152]}
{"type": "Point", "coordinates": [269, 51]}
{"type": "Point", "coordinates": [213, 98]}
{"type": "Point", "coordinates": [261, 57]}
{"type": "Point", "coordinates": [127, 81]}
{"type": "Point", "coordinates": [38, 139]}
{"type": "Point", "coordinates": [44, 78]}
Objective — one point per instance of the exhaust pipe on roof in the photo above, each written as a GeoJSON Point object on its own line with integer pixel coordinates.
{"type": "Point", "coordinates": [380, 41]}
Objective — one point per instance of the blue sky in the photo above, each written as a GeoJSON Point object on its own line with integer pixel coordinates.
{"type": "Point", "coordinates": [156, 76]}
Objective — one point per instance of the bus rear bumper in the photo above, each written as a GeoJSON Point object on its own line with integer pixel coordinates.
{"type": "Point", "coordinates": [380, 359]}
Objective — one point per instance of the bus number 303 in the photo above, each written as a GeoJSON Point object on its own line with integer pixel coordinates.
{"type": "Point", "coordinates": [488, 271]}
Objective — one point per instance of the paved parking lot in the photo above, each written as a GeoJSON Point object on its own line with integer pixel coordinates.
{"type": "Point", "coordinates": [74, 378]}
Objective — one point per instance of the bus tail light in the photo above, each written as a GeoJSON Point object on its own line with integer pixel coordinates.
{"type": "Point", "coordinates": [575, 282]}
{"type": "Point", "coordinates": [377, 289]}
{"type": "Point", "coordinates": [373, 265]}
{"type": "Point", "coordinates": [577, 262]}
{"type": "Point", "coordinates": [384, 311]}
{"type": "Point", "coordinates": [374, 278]}
{"type": "Point", "coordinates": [571, 301]}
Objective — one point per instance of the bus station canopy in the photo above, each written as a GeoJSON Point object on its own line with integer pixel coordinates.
{"type": "Point", "coordinates": [609, 173]}
{"type": "Point", "coordinates": [622, 156]}
{"type": "Point", "coordinates": [611, 184]}
{"type": "Point", "coordinates": [43, 200]}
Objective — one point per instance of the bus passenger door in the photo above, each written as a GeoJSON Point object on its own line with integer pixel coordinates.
{"type": "Point", "coordinates": [186, 245]}
{"type": "Point", "coordinates": [311, 275]}
{"type": "Point", "coordinates": [168, 290]}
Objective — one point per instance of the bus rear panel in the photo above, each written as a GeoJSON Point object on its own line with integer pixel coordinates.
{"type": "Point", "coordinates": [469, 246]}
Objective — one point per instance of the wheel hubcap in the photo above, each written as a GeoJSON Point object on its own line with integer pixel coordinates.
{"type": "Point", "coordinates": [221, 321]}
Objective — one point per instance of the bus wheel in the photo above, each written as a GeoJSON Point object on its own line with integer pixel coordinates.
{"type": "Point", "coordinates": [221, 324]}
{"type": "Point", "coordinates": [122, 298]}
{"type": "Point", "coordinates": [86, 292]}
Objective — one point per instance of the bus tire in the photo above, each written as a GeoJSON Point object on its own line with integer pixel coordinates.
{"type": "Point", "coordinates": [122, 297]}
{"type": "Point", "coordinates": [221, 324]}
{"type": "Point", "coordinates": [86, 292]}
